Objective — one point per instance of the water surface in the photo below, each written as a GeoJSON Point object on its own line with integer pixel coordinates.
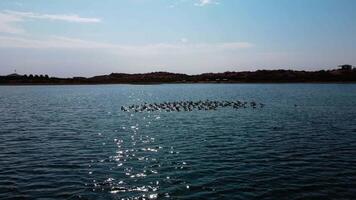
{"type": "Point", "coordinates": [74, 142]}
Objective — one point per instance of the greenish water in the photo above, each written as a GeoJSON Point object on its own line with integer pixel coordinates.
{"type": "Point", "coordinates": [74, 142]}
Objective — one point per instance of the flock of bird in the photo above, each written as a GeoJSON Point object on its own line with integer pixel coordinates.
{"type": "Point", "coordinates": [190, 106]}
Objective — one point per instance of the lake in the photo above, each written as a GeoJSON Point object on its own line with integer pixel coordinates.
{"type": "Point", "coordinates": [74, 142]}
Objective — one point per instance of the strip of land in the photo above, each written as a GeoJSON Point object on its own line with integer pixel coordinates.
{"type": "Point", "coordinates": [344, 74]}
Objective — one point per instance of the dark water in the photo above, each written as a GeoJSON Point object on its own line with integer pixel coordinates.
{"type": "Point", "coordinates": [73, 142]}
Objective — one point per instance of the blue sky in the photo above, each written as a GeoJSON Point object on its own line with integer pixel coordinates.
{"type": "Point", "coordinates": [90, 37]}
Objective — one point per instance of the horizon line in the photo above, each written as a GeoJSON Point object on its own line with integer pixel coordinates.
{"type": "Point", "coordinates": [181, 73]}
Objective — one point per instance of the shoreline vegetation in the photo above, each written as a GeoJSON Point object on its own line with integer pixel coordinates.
{"type": "Point", "coordinates": [345, 74]}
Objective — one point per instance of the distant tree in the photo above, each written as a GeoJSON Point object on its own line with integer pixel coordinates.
{"type": "Point", "coordinates": [46, 76]}
{"type": "Point", "coordinates": [25, 76]}
{"type": "Point", "coordinates": [41, 76]}
{"type": "Point", "coordinates": [31, 76]}
{"type": "Point", "coordinates": [36, 76]}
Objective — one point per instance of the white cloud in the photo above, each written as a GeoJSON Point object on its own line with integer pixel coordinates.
{"type": "Point", "coordinates": [206, 2]}
{"type": "Point", "coordinates": [9, 20]}
{"type": "Point", "coordinates": [61, 17]}
{"type": "Point", "coordinates": [201, 3]}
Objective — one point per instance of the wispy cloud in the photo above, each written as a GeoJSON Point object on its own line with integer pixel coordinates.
{"type": "Point", "coordinates": [55, 53]}
{"type": "Point", "coordinates": [10, 20]}
{"type": "Point", "coordinates": [68, 18]}
{"type": "Point", "coordinates": [51, 42]}
{"type": "Point", "coordinates": [201, 3]}
{"type": "Point", "coordinates": [206, 2]}
{"type": "Point", "coordinates": [148, 49]}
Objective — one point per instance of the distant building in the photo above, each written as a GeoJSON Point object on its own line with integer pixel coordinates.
{"type": "Point", "coordinates": [346, 67]}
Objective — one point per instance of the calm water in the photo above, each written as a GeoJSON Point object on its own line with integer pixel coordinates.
{"type": "Point", "coordinates": [73, 142]}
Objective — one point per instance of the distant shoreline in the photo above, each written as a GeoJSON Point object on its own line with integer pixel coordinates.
{"type": "Point", "coordinates": [186, 83]}
{"type": "Point", "coordinates": [342, 75]}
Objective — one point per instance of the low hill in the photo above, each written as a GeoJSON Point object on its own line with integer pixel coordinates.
{"type": "Point", "coordinates": [260, 76]}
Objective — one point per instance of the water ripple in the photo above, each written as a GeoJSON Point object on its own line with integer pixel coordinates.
{"type": "Point", "coordinates": [75, 143]}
